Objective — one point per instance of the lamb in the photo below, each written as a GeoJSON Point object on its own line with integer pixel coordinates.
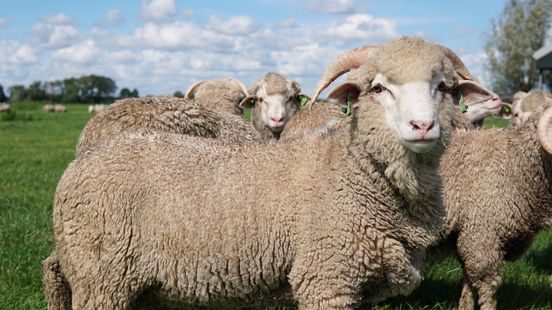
{"type": "Point", "coordinates": [169, 114]}
{"type": "Point", "coordinates": [273, 100]}
{"type": "Point", "coordinates": [486, 223]}
{"type": "Point", "coordinates": [526, 103]}
{"type": "Point", "coordinates": [223, 94]}
{"type": "Point", "coordinates": [5, 107]}
{"type": "Point", "coordinates": [345, 214]}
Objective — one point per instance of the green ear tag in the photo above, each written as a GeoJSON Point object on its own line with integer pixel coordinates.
{"type": "Point", "coordinates": [303, 101]}
{"type": "Point", "coordinates": [349, 109]}
{"type": "Point", "coordinates": [252, 101]}
{"type": "Point", "coordinates": [506, 109]}
{"type": "Point", "coordinates": [462, 105]}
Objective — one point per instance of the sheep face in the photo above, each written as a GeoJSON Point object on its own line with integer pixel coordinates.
{"type": "Point", "coordinates": [408, 95]}
{"type": "Point", "coordinates": [275, 99]}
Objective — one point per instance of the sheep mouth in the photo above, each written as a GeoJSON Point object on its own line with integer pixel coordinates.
{"type": "Point", "coordinates": [422, 145]}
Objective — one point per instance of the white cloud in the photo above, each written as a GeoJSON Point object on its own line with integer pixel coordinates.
{"type": "Point", "coordinates": [81, 53]}
{"type": "Point", "coordinates": [288, 23]}
{"type": "Point", "coordinates": [157, 10]}
{"type": "Point", "coordinates": [188, 12]}
{"type": "Point", "coordinates": [303, 60]}
{"type": "Point", "coordinates": [60, 19]}
{"type": "Point", "coordinates": [475, 63]}
{"type": "Point", "coordinates": [363, 27]}
{"type": "Point", "coordinates": [178, 35]}
{"type": "Point", "coordinates": [334, 6]}
{"type": "Point", "coordinates": [55, 31]}
{"type": "Point", "coordinates": [237, 25]}
{"type": "Point", "coordinates": [25, 54]}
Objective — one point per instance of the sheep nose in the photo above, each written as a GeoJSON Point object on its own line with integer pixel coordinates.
{"type": "Point", "coordinates": [277, 118]}
{"type": "Point", "coordinates": [422, 126]}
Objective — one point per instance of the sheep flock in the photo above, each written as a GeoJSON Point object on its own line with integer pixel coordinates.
{"type": "Point", "coordinates": [333, 203]}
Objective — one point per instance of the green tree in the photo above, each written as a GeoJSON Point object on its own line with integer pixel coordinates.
{"type": "Point", "coordinates": [36, 91]}
{"type": "Point", "coordinates": [70, 91]}
{"type": "Point", "coordinates": [3, 97]}
{"type": "Point", "coordinates": [514, 37]}
{"type": "Point", "coordinates": [124, 93]}
{"type": "Point", "coordinates": [178, 94]}
{"type": "Point", "coordinates": [18, 93]}
{"type": "Point", "coordinates": [134, 93]}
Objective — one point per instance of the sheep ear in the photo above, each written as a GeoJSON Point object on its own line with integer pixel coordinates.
{"type": "Point", "coordinates": [190, 93]}
{"type": "Point", "coordinates": [473, 92]}
{"type": "Point", "coordinates": [248, 102]}
{"type": "Point", "coordinates": [346, 93]}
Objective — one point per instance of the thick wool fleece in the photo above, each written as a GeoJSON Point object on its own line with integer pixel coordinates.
{"type": "Point", "coordinates": [336, 217]}
{"type": "Point", "coordinates": [166, 114]}
{"type": "Point", "coordinates": [497, 191]}
{"type": "Point", "coordinates": [310, 122]}
{"type": "Point", "coordinates": [221, 95]}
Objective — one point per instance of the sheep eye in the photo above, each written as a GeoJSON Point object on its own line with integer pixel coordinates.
{"type": "Point", "coordinates": [378, 88]}
{"type": "Point", "coordinates": [442, 87]}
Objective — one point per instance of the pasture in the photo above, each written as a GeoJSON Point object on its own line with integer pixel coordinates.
{"type": "Point", "coordinates": [35, 149]}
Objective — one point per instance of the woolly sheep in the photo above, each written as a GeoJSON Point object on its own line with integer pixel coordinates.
{"type": "Point", "coordinates": [168, 114]}
{"type": "Point", "coordinates": [5, 107]}
{"type": "Point", "coordinates": [58, 108]}
{"type": "Point", "coordinates": [48, 108]}
{"type": "Point", "coordinates": [487, 223]}
{"type": "Point", "coordinates": [95, 108]}
{"type": "Point", "coordinates": [526, 103]}
{"type": "Point", "coordinates": [223, 94]}
{"type": "Point", "coordinates": [273, 100]}
{"type": "Point", "coordinates": [179, 217]}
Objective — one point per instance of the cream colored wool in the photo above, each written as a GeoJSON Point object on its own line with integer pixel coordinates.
{"type": "Point", "coordinates": [334, 217]}
{"type": "Point", "coordinates": [497, 194]}
{"type": "Point", "coordinates": [224, 94]}
{"type": "Point", "coordinates": [167, 114]}
{"type": "Point", "coordinates": [526, 103]}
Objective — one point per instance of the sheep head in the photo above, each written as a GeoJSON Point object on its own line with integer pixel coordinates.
{"type": "Point", "coordinates": [403, 83]}
{"type": "Point", "coordinates": [277, 98]}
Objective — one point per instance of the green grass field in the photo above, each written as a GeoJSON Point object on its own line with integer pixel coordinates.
{"type": "Point", "coordinates": [35, 149]}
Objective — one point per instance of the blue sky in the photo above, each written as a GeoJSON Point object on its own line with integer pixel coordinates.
{"type": "Point", "coordinates": [160, 46]}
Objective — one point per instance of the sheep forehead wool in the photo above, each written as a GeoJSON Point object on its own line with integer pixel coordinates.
{"type": "Point", "coordinates": [411, 59]}
{"type": "Point", "coordinates": [535, 100]}
{"type": "Point", "coordinates": [275, 83]}
{"type": "Point", "coordinates": [210, 92]}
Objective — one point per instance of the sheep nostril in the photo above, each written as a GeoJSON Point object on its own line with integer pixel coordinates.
{"type": "Point", "coordinates": [423, 126]}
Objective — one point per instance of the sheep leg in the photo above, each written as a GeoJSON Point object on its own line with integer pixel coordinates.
{"type": "Point", "coordinates": [481, 259]}
{"type": "Point", "coordinates": [467, 298]}
{"type": "Point", "coordinates": [56, 288]}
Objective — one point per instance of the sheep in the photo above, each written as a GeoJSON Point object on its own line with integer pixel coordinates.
{"type": "Point", "coordinates": [95, 108]}
{"type": "Point", "coordinates": [487, 223]}
{"type": "Point", "coordinates": [48, 108]}
{"type": "Point", "coordinates": [170, 114]}
{"type": "Point", "coordinates": [57, 108]}
{"type": "Point", "coordinates": [526, 103]}
{"type": "Point", "coordinates": [179, 217]}
{"type": "Point", "coordinates": [5, 107]}
{"type": "Point", "coordinates": [273, 100]}
{"type": "Point", "coordinates": [209, 93]}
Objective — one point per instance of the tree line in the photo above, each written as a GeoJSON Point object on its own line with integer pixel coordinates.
{"type": "Point", "coordinates": [85, 89]}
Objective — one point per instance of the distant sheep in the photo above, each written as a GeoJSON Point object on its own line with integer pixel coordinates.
{"type": "Point", "coordinates": [95, 108]}
{"type": "Point", "coordinates": [273, 100]}
{"type": "Point", "coordinates": [334, 217]}
{"type": "Point", "coordinates": [5, 107]}
{"type": "Point", "coordinates": [57, 108]}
